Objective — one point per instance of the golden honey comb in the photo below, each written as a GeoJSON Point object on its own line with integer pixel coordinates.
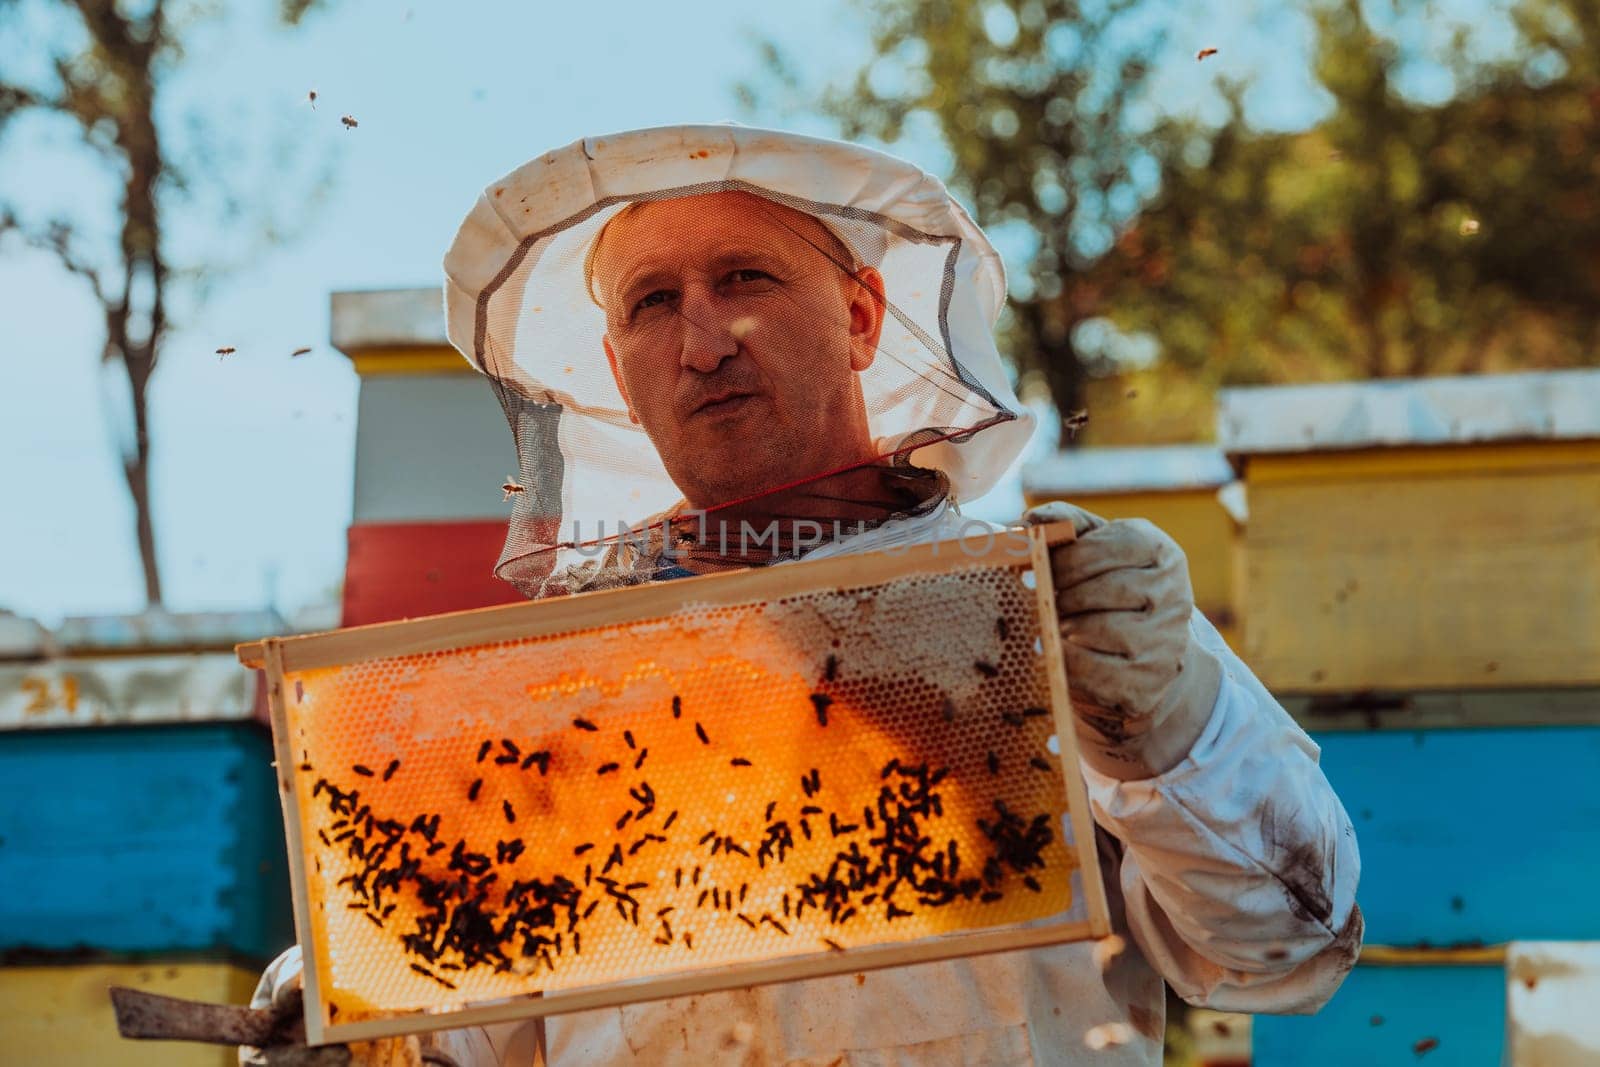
{"type": "Point", "coordinates": [726, 784]}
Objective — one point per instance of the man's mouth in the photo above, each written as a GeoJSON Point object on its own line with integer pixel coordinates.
{"type": "Point", "coordinates": [726, 403]}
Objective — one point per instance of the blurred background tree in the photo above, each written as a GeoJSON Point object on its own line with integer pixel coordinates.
{"type": "Point", "coordinates": [1392, 237]}
{"type": "Point", "coordinates": [98, 68]}
{"type": "Point", "coordinates": [1033, 99]}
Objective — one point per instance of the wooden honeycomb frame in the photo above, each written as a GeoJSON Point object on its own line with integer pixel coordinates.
{"type": "Point", "coordinates": [288, 660]}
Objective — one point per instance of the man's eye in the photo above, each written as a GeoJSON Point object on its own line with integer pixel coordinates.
{"type": "Point", "coordinates": [749, 274]}
{"type": "Point", "coordinates": [660, 296]}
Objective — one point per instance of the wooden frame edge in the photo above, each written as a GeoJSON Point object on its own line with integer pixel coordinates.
{"type": "Point", "coordinates": [818, 965]}
{"type": "Point", "coordinates": [283, 751]}
{"type": "Point", "coordinates": [1041, 540]}
{"type": "Point", "coordinates": [521, 621]}
{"type": "Point", "coordinates": [511, 622]}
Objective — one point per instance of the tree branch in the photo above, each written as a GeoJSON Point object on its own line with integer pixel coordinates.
{"type": "Point", "coordinates": [56, 237]}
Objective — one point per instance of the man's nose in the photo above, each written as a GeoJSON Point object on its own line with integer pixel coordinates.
{"type": "Point", "coordinates": [708, 336]}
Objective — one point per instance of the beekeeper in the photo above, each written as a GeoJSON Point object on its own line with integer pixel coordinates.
{"type": "Point", "coordinates": [707, 331]}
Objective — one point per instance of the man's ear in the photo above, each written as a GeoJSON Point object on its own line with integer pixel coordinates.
{"type": "Point", "coordinates": [616, 373]}
{"type": "Point", "coordinates": [866, 318]}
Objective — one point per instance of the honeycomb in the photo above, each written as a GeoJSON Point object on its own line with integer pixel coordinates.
{"type": "Point", "coordinates": [722, 785]}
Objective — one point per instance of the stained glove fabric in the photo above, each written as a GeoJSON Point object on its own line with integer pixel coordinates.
{"type": "Point", "coordinates": [1142, 685]}
{"type": "Point", "coordinates": [279, 988]}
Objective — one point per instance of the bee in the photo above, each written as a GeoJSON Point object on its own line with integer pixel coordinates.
{"type": "Point", "coordinates": [306, 351]}
{"type": "Point", "coordinates": [1468, 227]}
{"type": "Point", "coordinates": [349, 122]}
{"type": "Point", "coordinates": [226, 350]}
{"type": "Point", "coordinates": [511, 487]}
{"type": "Point", "coordinates": [1204, 53]}
{"type": "Point", "coordinates": [1074, 422]}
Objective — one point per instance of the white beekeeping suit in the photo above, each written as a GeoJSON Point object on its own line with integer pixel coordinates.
{"type": "Point", "coordinates": [711, 326]}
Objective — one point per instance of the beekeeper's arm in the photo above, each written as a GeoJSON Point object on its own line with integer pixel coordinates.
{"type": "Point", "coordinates": [1239, 863]}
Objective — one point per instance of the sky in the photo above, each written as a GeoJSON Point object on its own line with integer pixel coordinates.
{"type": "Point", "coordinates": [252, 474]}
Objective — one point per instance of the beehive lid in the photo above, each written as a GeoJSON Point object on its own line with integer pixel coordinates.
{"type": "Point", "coordinates": [1161, 468]}
{"type": "Point", "coordinates": [1537, 406]}
{"type": "Point", "coordinates": [162, 631]}
{"type": "Point", "coordinates": [387, 318]}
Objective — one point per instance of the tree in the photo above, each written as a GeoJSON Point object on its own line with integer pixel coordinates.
{"type": "Point", "coordinates": [1394, 237]}
{"type": "Point", "coordinates": [107, 84]}
{"type": "Point", "coordinates": [1032, 99]}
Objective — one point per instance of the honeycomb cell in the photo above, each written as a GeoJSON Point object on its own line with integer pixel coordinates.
{"type": "Point", "coordinates": [727, 784]}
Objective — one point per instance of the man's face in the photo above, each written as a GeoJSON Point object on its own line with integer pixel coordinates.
{"type": "Point", "coordinates": [736, 338]}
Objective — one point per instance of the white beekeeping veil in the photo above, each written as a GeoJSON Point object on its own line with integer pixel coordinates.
{"type": "Point", "coordinates": [720, 321]}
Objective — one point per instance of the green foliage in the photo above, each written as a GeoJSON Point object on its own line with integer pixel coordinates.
{"type": "Point", "coordinates": [1394, 237]}
{"type": "Point", "coordinates": [1032, 99]}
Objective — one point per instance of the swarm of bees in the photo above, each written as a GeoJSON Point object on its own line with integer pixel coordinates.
{"type": "Point", "coordinates": [1204, 54]}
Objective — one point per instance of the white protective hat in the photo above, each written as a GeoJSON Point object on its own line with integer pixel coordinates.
{"type": "Point", "coordinates": [519, 307]}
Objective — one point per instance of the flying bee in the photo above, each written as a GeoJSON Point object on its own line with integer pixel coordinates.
{"type": "Point", "coordinates": [1204, 53]}
{"type": "Point", "coordinates": [300, 352]}
{"type": "Point", "coordinates": [1075, 422]}
{"type": "Point", "coordinates": [349, 122]}
{"type": "Point", "coordinates": [511, 487]}
{"type": "Point", "coordinates": [225, 351]}
{"type": "Point", "coordinates": [311, 98]}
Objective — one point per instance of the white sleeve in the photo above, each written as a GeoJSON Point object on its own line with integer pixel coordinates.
{"type": "Point", "coordinates": [1240, 865]}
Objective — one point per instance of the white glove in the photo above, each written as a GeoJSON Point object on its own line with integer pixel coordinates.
{"type": "Point", "coordinates": [280, 989]}
{"type": "Point", "coordinates": [1142, 687]}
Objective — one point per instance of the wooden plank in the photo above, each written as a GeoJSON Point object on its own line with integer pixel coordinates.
{"type": "Point", "coordinates": [1067, 732]}
{"type": "Point", "coordinates": [1449, 956]}
{"type": "Point", "coordinates": [124, 690]}
{"type": "Point", "coordinates": [1424, 803]}
{"type": "Point", "coordinates": [792, 969]}
{"type": "Point", "coordinates": [1434, 461]}
{"type": "Point", "coordinates": [313, 976]}
{"type": "Point", "coordinates": [1203, 529]}
{"type": "Point", "coordinates": [482, 626]}
{"type": "Point", "coordinates": [1443, 710]}
{"type": "Point", "coordinates": [1380, 1014]}
{"type": "Point", "coordinates": [61, 1013]}
{"type": "Point", "coordinates": [1552, 988]}
{"type": "Point", "coordinates": [1419, 582]}
{"type": "Point", "coordinates": [142, 839]}
{"type": "Point", "coordinates": [399, 570]}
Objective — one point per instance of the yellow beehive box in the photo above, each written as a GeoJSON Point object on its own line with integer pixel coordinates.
{"type": "Point", "coordinates": [1436, 534]}
{"type": "Point", "coordinates": [61, 1013]}
{"type": "Point", "coordinates": [1187, 490]}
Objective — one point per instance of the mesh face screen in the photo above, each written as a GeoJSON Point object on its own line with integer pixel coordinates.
{"type": "Point", "coordinates": [725, 349]}
{"type": "Point", "coordinates": [721, 785]}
